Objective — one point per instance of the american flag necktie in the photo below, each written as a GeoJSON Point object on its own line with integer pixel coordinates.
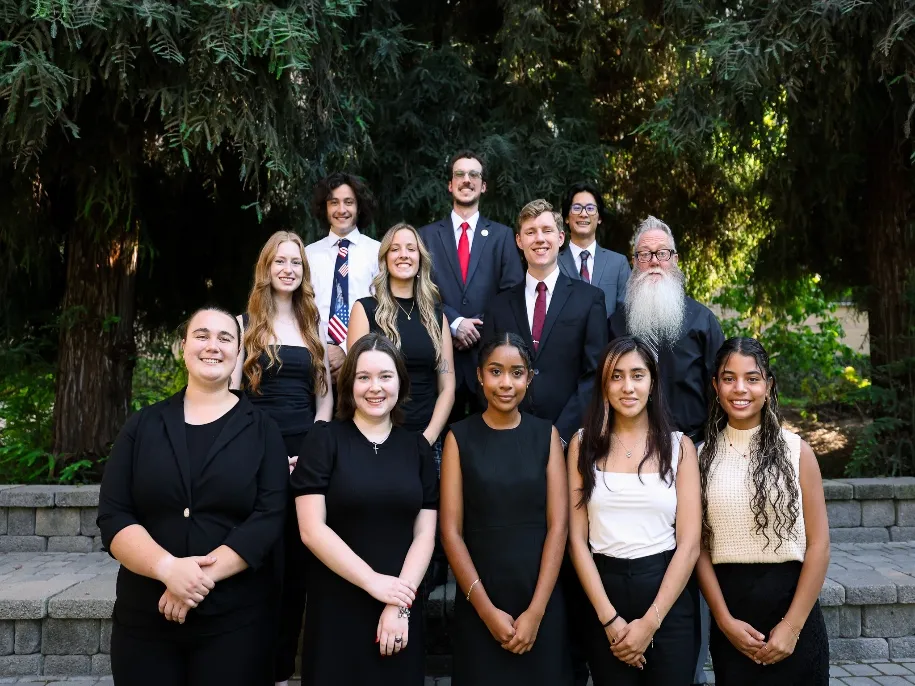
{"type": "Point", "coordinates": [339, 303]}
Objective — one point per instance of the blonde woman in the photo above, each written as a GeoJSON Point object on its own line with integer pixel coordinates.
{"type": "Point", "coordinates": [407, 309]}
{"type": "Point", "coordinates": [283, 370]}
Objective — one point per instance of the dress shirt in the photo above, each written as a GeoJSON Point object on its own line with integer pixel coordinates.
{"type": "Point", "coordinates": [363, 266]}
{"type": "Point", "coordinates": [530, 292]}
{"type": "Point", "coordinates": [456, 221]}
{"type": "Point", "coordinates": [576, 255]}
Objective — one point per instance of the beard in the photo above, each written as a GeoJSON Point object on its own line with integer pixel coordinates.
{"type": "Point", "coordinates": [655, 309]}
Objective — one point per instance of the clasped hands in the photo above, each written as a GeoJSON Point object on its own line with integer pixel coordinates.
{"type": "Point", "coordinates": [630, 640]}
{"type": "Point", "coordinates": [514, 635]}
{"type": "Point", "coordinates": [186, 584]}
{"type": "Point", "coordinates": [754, 645]}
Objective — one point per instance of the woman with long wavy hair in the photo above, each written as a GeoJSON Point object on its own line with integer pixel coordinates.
{"type": "Point", "coordinates": [635, 525]}
{"type": "Point", "coordinates": [283, 369]}
{"type": "Point", "coordinates": [406, 308]}
{"type": "Point", "coordinates": [765, 534]}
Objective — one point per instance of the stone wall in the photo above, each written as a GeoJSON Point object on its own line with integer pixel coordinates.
{"type": "Point", "coordinates": [870, 510]}
{"type": "Point", "coordinates": [55, 519]}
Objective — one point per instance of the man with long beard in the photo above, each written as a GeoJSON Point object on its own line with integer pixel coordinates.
{"type": "Point", "coordinates": [684, 334]}
{"type": "Point", "coordinates": [685, 337]}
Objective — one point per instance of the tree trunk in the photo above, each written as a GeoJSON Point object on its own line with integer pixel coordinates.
{"type": "Point", "coordinates": [97, 348]}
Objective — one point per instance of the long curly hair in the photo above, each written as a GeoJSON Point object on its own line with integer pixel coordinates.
{"type": "Point", "coordinates": [259, 336]}
{"type": "Point", "coordinates": [600, 417]}
{"type": "Point", "coordinates": [425, 293]}
{"type": "Point", "coordinates": [774, 478]}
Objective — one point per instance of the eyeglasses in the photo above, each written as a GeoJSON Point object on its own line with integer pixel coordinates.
{"type": "Point", "coordinates": [590, 208]}
{"type": "Point", "coordinates": [663, 255]}
{"type": "Point", "coordinates": [473, 174]}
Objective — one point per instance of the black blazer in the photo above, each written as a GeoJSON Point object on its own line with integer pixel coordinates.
{"type": "Point", "coordinates": [494, 266]}
{"type": "Point", "coordinates": [238, 500]}
{"type": "Point", "coordinates": [574, 336]}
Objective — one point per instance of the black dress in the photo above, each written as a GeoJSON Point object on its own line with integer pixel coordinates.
{"type": "Point", "coordinates": [372, 501]}
{"type": "Point", "coordinates": [419, 355]}
{"type": "Point", "coordinates": [287, 394]}
{"type": "Point", "coordinates": [505, 494]}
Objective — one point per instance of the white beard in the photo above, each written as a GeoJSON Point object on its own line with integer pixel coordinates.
{"type": "Point", "coordinates": [655, 309]}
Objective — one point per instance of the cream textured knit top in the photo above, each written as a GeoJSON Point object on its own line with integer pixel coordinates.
{"type": "Point", "coordinates": [730, 491]}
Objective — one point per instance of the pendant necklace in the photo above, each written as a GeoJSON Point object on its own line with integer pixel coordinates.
{"type": "Point", "coordinates": [375, 445]}
{"type": "Point", "coordinates": [620, 441]}
{"type": "Point", "coordinates": [404, 311]}
{"type": "Point", "coordinates": [743, 455]}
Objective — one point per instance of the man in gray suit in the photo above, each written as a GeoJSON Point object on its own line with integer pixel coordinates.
{"type": "Point", "coordinates": [583, 258]}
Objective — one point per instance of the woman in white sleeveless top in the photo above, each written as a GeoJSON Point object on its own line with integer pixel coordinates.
{"type": "Point", "coordinates": [765, 532]}
{"type": "Point", "coordinates": [635, 526]}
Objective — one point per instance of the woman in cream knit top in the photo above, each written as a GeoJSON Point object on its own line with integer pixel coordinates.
{"type": "Point", "coordinates": [765, 533]}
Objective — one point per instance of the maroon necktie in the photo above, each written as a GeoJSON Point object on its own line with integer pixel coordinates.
{"type": "Point", "coordinates": [539, 314]}
{"type": "Point", "coordinates": [464, 251]}
{"type": "Point", "coordinates": [584, 273]}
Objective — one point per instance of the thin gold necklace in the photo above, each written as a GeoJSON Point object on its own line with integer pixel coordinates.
{"type": "Point", "coordinates": [620, 440]}
{"type": "Point", "coordinates": [403, 310]}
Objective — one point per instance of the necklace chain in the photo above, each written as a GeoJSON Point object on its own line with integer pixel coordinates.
{"type": "Point", "coordinates": [620, 441]}
{"type": "Point", "coordinates": [404, 311]}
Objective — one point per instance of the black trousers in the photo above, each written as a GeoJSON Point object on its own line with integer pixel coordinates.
{"type": "Point", "coordinates": [578, 613]}
{"type": "Point", "coordinates": [293, 560]}
{"type": "Point", "coordinates": [237, 657]}
{"type": "Point", "coordinates": [632, 586]}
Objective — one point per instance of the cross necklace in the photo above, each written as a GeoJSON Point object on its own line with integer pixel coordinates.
{"type": "Point", "coordinates": [375, 445]}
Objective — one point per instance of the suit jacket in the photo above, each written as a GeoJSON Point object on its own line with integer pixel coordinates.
{"type": "Point", "coordinates": [238, 499]}
{"type": "Point", "coordinates": [494, 266]}
{"type": "Point", "coordinates": [686, 367]}
{"type": "Point", "coordinates": [609, 272]}
{"type": "Point", "coordinates": [574, 336]}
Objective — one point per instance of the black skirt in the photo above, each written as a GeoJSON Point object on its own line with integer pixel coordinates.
{"type": "Point", "coordinates": [760, 594]}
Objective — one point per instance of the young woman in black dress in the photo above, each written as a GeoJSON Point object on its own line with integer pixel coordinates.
{"type": "Point", "coordinates": [504, 524]}
{"type": "Point", "coordinates": [366, 497]}
{"type": "Point", "coordinates": [407, 309]}
{"type": "Point", "coordinates": [635, 526]}
{"type": "Point", "coordinates": [765, 535]}
{"type": "Point", "coordinates": [192, 505]}
{"type": "Point", "coordinates": [277, 370]}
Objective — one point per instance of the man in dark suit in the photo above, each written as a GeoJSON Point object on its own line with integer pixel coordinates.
{"type": "Point", "coordinates": [473, 259]}
{"type": "Point", "coordinates": [583, 258]}
{"type": "Point", "coordinates": [563, 321]}
{"type": "Point", "coordinates": [685, 336]}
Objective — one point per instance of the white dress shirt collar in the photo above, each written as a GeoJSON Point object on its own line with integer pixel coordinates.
{"type": "Point", "coordinates": [530, 283]}
{"type": "Point", "coordinates": [457, 220]}
{"type": "Point", "coordinates": [576, 252]}
{"type": "Point", "coordinates": [353, 237]}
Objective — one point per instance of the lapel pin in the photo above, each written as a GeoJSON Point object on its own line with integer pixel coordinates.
{"type": "Point", "coordinates": [484, 232]}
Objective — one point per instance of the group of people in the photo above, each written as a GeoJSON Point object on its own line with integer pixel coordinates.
{"type": "Point", "coordinates": [574, 438]}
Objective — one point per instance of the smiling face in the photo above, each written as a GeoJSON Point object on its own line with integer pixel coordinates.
{"type": "Point", "coordinates": [342, 210]}
{"type": "Point", "coordinates": [211, 347]}
{"type": "Point", "coordinates": [376, 385]}
{"type": "Point", "coordinates": [464, 188]}
{"type": "Point", "coordinates": [540, 239]}
{"type": "Point", "coordinates": [403, 256]}
{"type": "Point", "coordinates": [651, 241]}
{"type": "Point", "coordinates": [287, 267]}
{"type": "Point", "coordinates": [628, 385]}
{"type": "Point", "coordinates": [505, 378]}
{"type": "Point", "coordinates": [583, 225]}
{"type": "Point", "coordinates": [742, 390]}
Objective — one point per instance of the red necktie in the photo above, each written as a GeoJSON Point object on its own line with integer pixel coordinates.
{"type": "Point", "coordinates": [584, 273]}
{"type": "Point", "coordinates": [539, 314]}
{"type": "Point", "coordinates": [464, 251]}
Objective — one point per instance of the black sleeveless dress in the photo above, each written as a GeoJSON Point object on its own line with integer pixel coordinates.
{"type": "Point", "coordinates": [419, 355]}
{"type": "Point", "coordinates": [505, 493]}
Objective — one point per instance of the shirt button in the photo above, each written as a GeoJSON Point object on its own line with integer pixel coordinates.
{"type": "Point", "coordinates": [465, 301]}
{"type": "Point", "coordinates": [187, 512]}
{"type": "Point", "coordinates": [536, 372]}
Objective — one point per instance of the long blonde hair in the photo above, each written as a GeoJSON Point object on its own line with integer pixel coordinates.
{"type": "Point", "coordinates": [425, 293]}
{"type": "Point", "coordinates": [259, 335]}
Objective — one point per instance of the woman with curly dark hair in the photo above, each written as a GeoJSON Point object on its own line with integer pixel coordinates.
{"type": "Point", "coordinates": [765, 533]}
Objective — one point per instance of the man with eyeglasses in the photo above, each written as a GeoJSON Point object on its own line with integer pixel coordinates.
{"type": "Point", "coordinates": [684, 335]}
{"type": "Point", "coordinates": [473, 259]}
{"type": "Point", "coordinates": [583, 258]}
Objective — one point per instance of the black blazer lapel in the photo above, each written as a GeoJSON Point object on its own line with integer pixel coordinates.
{"type": "Point", "coordinates": [449, 249]}
{"type": "Point", "coordinates": [173, 416]}
{"type": "Point", "coordinates": [480, 238]}
{"type": "Point", "coordinates": [557, 302]}
{"type": "Point", "coordinates": [519, 309]}
{"type": "Point", "coordinates": [243, 417]}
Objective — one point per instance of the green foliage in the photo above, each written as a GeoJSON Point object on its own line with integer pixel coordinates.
{"type": "Point", "coordinates": [797, 324]}
{"type": "Point", "coordinates": [159, 372]}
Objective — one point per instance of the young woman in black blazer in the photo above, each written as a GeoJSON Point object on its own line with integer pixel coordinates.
{"type": "Point", "coordinates": [191, 505]}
